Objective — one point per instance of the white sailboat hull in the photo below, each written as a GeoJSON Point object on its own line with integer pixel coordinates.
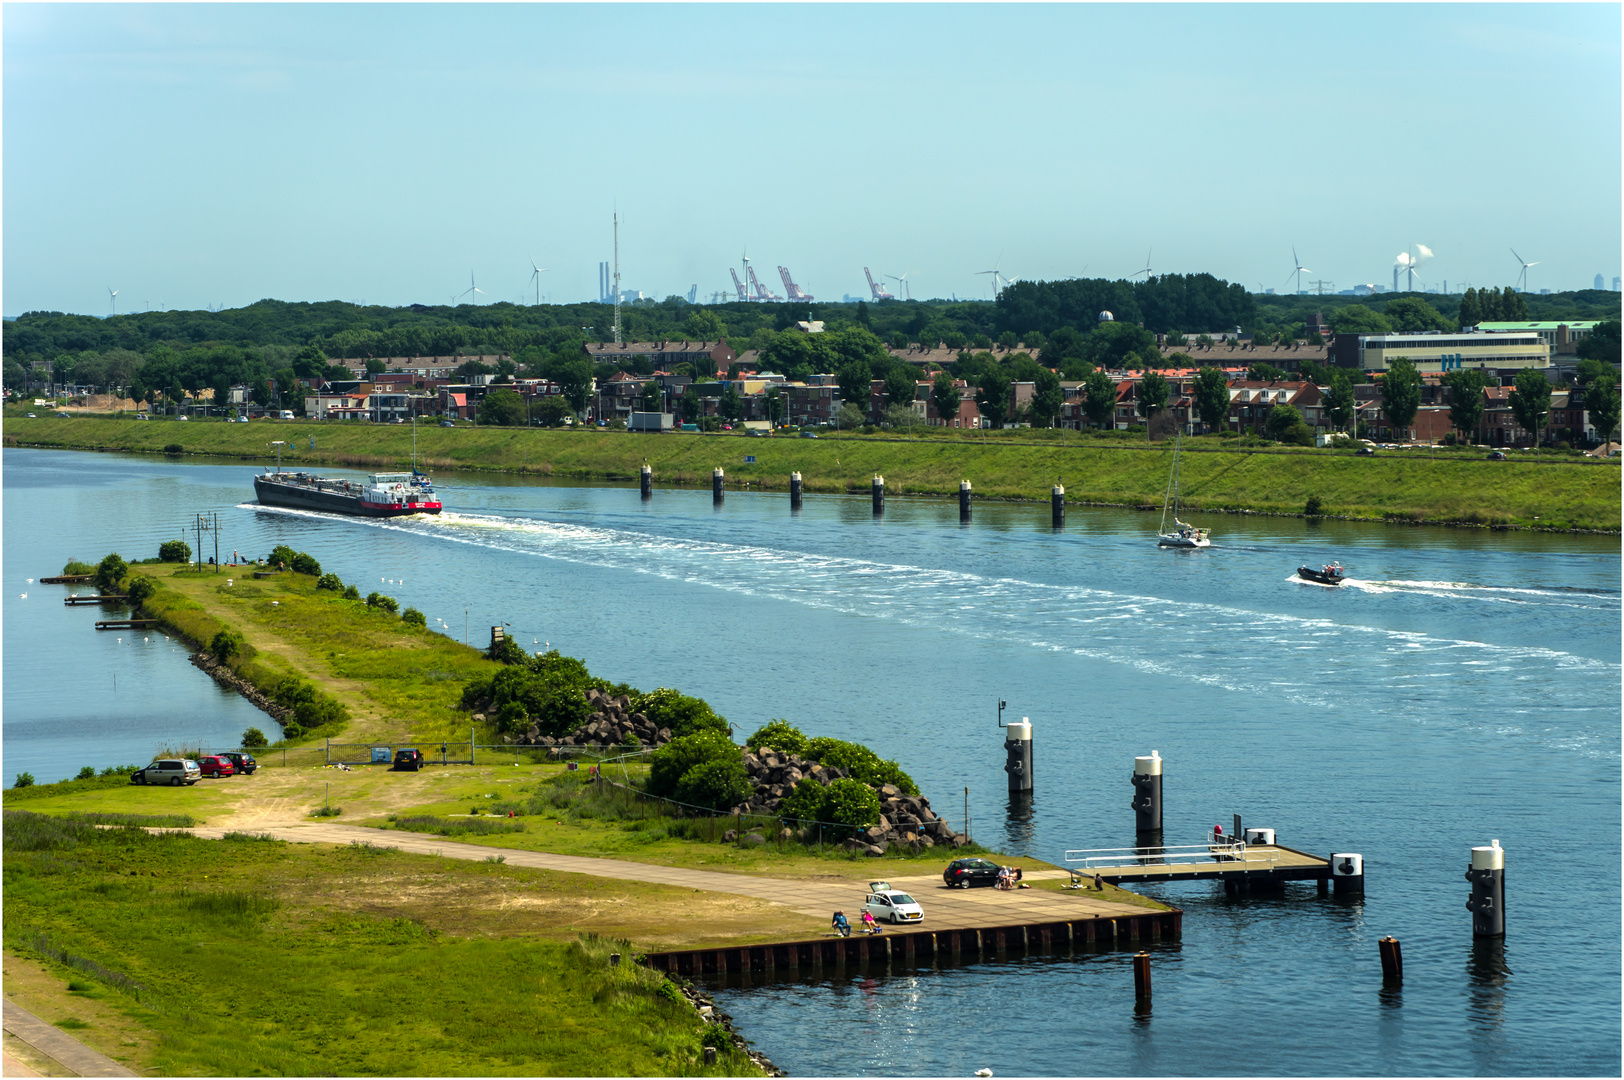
{"type": "Point", "coordinates": [1173, 540]}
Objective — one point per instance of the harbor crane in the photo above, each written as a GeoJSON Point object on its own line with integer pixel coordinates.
{"type": "Point", "coordinates": [795, 291]}
{"type": "Point", "coordinates": [877, 290]}
{"type": "Point", "coordinates": [764, 294]}
{"type": "Point", "coordinates": [739, 285]}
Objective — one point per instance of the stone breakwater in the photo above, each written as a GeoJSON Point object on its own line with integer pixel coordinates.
{"type": "Point", "coordinates": [229, 679]}
{"type": "Point", "coordinates": [612, 723]}
{"type": "Point", "coordinates": [705, 1005]}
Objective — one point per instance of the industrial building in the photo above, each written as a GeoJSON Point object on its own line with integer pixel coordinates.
{"type": "Point", "coordinates": [1501, 354]}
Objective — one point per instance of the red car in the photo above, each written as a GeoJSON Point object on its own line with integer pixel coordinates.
{"type": "Point", "coordinates": [216, 766]}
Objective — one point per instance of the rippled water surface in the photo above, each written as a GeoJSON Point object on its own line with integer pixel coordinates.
{"type": "Point", "coordinates": [1463, 686]}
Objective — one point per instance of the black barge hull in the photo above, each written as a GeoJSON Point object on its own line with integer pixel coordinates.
{"type": "Point", "coordinates": [271, 493]}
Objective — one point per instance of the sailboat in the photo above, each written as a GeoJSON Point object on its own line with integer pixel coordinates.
{"type": "Point", "coordinates": [1183, 535]}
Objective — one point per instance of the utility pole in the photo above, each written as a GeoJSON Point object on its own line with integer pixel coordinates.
{"type": "Point", "coordinates": [1321, 286]}
{"type": "Point", "coordinates": [617, 279]}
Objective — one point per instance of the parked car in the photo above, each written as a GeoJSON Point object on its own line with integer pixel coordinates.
{"type": "Point", "coordinates": [175, 771]}
{"type": "Point", "coordinates": [408, 760]}
{"type": "Point", "coordinates": [890, 905]}
{"type": "Point", "coordinates": [216, 766]}
{"type": "Point", "coordinates": [1497, 455]}
{"type": "Point", "coordinates": [964, 873]}
{"type": "Point", "coordinates": [183, 418]}
{"type": "Point", "coordinates": [64, 415]}
{"type": "Point", "coordinates": [31, 416]}
{"type": "Point", "coordinates": [809, 434]}
{"type": "Point", "coordinates": [1365, 451]}
{"type": "Point", "coordinates": [242, 761]}
{"type": "Point", "coordinates": [447, 423]}
{"type": "Point", "coordinates": [138, 416]}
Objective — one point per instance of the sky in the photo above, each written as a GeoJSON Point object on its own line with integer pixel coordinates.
{"type": "Point", "coordinates": [200, 155]}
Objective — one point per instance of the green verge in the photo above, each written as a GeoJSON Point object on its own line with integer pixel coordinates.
{"type": "Point", "coordinates": [1557, 491]}
{"type": "Point", "coordinates": [308, 960]}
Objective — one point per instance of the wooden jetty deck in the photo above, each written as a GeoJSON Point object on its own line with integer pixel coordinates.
{"type": "Point", "coordinates": [126, 624]}
{"type": "Point", "coordinates": [76, 601]}
{"type": "Point", "coordinates": [1250, 864]}
{"type": "Point", "coordinates": [67, 579]}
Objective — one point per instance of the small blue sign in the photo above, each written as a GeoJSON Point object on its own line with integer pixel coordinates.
{"type": "Point", "coordinates": [749, 459]}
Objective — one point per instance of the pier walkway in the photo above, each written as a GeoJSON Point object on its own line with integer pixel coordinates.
{"type": "Point", "coordinates": [1231, 863]}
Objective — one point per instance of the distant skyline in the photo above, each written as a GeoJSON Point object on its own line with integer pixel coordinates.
{"type": "Point", "coordinates": [200, 155]}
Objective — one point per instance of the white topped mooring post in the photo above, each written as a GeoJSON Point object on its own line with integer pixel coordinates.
{"type": "Point", "coordinates": [964, 500]}
{"type": "Point", "coordinates": [648, 481]}
{"type": "Point", "coordinates": [1348, 874]}
{"type": "Point", "coordinates": [1057, 506]}
{"type": "Point", "coordinates": [794, 491]}
{"type": "Point", "coordinates": [1018, 748]}
{"type": "Point", "coordinates": [1488, 900]}
{"type": "Point", "coordinates": [877, 486]}
{"type": "Point", "coordinates": [1147, 792]}
{"type": "Point", "coordinates": [716, 484]}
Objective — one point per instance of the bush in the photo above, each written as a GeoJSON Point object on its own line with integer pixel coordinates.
{"type": "Point", "coordinates": [327, 811]}
{"type": "Point", "coordinates": [174, 551]}
{"type": "Point", "coordinates": [671, 762]}
{"type": "Point", "coordinates": [291, 731]}
{"type": "Point", "coordinates": [330, 582]}
{"type": "Point", "coordinates": [716, 784]}
{"type": "Point", "coordinates": [110, 571]}
{"type": "Point", "coordinates": [281, 556]}
{"type": "Point", "coordinates": [351, 593]}
{"type": "Point", "coordinates": [254, 739]}
{"type": "Point", "coordinates": [139, 589]}
{"type": "Point", "coordinates": [412, 617]}
{"type": "Point", "coordinates": [174, 448]}
{"type": "Point", "coordinates": [24, 779]}
{"type": "Point", "coordinates": [805, 801]}
{"type": "Point", "coordinates": [305, 564]}
{"type": "Point", "coordinates": [549, 690]}
{"type": "Point", "coordinates": [386, 603]}
{"type": "Point", "coordinates": [865, 764]}
{"type": "Point", "coordinates": [226, 644]}
{"type": "Point", "coordinates": [88, 772]}
{"type": "Point", "coordinates": [1313, 508]}
{"type": "Point", "coordinates": [75, 568]}
{"type": "Point", "coordinates": [684, 715]}
{"type": "Point", "coordinates": [777, 735]}
{"type": "Point", "coordinates": [851, 803]}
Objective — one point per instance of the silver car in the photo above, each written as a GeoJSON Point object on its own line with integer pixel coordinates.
{"type": "Point", "coordinates": [173, 771]}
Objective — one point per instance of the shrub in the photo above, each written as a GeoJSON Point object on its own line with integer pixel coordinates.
{"type": "Point", "coordinates": [412, 617]}
{"type": "Point", "coordinates": [805, 801]}
{"type": "Point", "coordinates": [291, 731]}
{"type": "Point", "coordinates": [24, 779]}
{"type": "Point", "coordinates": [865, 764]}
{"type": "Point", "coordinates": [174, 551]}
{"type": "Point", "coordinates": [777, 735]}
{"type": "Point", "coordinates": [75, 568]}
{"type": "Point", "coordinates": [330, 582]}
{"type": "Point", "coordinates": [851, 803]}
{"type": "Point", "coordinates": [327, 811]}
{"type": "Point", "coordinates": [253, 739]}
{"type": "Point", "coordinates": [281, 555]}
{"type": "Point", "coordinates": [715, 784]}
{"type": "Point", "coordinates": [549, 690]}
{"type": "Point", "coordinates": [671, 762]}
{"type": "Point", "coordinates": [88, 772]}
{"type": "Point", "coordinates": [1313, 508]}
{"type": "Point", "coordinates": [684, 715]}
{"type": "Point", "coordinates": [351, 593]}
{"type": "Point", "coordinates": [139, 589]}
{"type": "Point", "coordinates": [110, 571]}
{"type": "Point", "coordinates": [305, 564]}
{"type": "Point", "coordinates": [226, 644]}
{"type": "Point", "coordinates": [174, 448]}
{"type": "Point", "coordinates": [385, 603]}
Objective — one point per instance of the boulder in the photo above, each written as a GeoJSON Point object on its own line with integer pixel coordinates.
{"type": "Point", "coordinates": [730, 836]}
{"type": "Point", "coordinates": [752, 839]}
{"type": "Point", "coordinates": [874, 834]}
{"type": "Point", "coordinates": [890, 791]}
{"type": "Point", "coordinates": [752, 764]}
{"type": "Point", "coordinates": [874, 851]}
{"type": "Point", "coordinates": [959, 840]}
{"type": "Point", "coordinates": [664, 735]}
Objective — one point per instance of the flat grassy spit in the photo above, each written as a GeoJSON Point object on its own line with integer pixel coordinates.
{"type": "Point", "coordinates": [290, 959]}
{"type": "Point", "coordinates": [1555, 491]}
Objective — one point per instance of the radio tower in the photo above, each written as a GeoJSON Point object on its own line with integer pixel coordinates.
{"type": "Point", "coordinates": [617, 280]}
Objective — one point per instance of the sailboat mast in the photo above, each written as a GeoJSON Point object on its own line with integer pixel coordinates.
{"type": "Point", "coordinates": [1172, 478]}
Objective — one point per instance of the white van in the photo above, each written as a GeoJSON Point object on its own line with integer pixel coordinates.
{"type": "Point", "coordinates": [285, 414]}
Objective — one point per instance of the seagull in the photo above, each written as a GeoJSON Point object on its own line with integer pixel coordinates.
{"type": "Point", "coordinates": [31, 581]}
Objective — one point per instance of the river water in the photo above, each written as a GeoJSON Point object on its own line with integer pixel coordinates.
{"type": "Point", "coordinates": [1464, 686]}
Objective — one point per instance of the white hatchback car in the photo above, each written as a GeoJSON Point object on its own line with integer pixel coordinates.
{"type": "Point", "coordinates": [889, 905]}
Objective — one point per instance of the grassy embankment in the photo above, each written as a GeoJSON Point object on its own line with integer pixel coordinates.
{"type": "Point", "coordinates": [1554, 491]}
{"type": "Point", "coordinates": [243, 957]}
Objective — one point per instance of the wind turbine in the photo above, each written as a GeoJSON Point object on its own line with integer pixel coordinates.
{"type": "Point", "coordinates": [535, 276]}
{"type": "Point", "coordinates": [1299, 271]}
{"type": "Point", "coordinates": [1147, 271]}
{"type": "Point", "coordinates": [112, 298]}
{"type": "Point", "coordinates": [903, 281]}
{"type": "Point", "coordinates": [472, 289]}
{"type": "Point", "coordinates": [1525, 266]}
{"type": "Point", "coordinates": [998, 279]}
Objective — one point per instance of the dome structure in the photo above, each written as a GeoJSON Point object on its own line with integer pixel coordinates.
{"type": "Point", "coordinates": [1106, 316]}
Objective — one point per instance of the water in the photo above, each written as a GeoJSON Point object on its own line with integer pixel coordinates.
{"type": "Point", "coordinates": [1464, 686]}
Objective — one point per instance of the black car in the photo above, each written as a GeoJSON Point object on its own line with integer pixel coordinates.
{"type": "Point", "coordinates": [1497, 455]}
{"type": "Point", "coordinates": [964, 873]}
{"type": "Point", "coordinates": [243, 762]}
{"type": "Point", "coordinates": [1364, 451]}
{"type": "Point", "coordinates": [408, 760]}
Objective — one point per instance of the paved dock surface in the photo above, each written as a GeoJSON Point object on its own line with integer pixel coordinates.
{"type": "Point", "coordinates": [945, 909]}
{"type": "Point", "coordinates": [1260, 860]}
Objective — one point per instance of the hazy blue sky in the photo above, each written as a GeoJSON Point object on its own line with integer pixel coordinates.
{"type": "Point", "coordinates": [198, 154]}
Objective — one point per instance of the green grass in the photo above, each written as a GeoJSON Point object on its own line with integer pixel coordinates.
{"type": "Point", "coordinates": [308, 960]}
{"type": "Point", "coordinates": [1555, 491]}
